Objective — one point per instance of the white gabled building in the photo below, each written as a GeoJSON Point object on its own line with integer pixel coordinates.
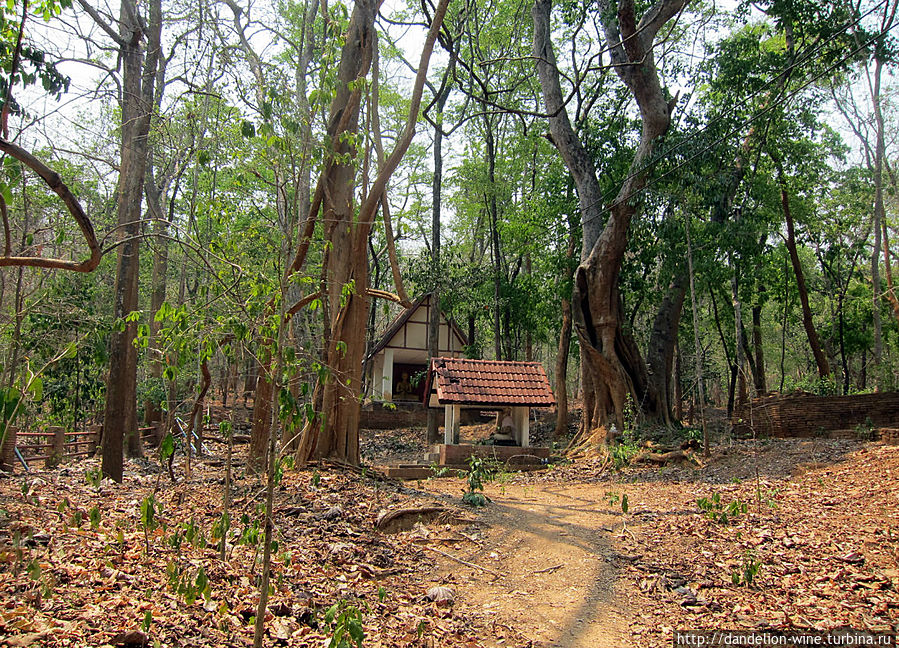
{"type": "Point", "coordinates": [398, 362]}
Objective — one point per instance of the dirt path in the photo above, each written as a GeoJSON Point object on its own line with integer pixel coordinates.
{"type": "Point", "coordinates": [553, 545]}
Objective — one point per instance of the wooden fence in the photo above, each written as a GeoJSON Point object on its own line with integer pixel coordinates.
{"type": "Point", "coordinates": [55, 444]}
{"type": "Point", "coordinates": [50, 446]}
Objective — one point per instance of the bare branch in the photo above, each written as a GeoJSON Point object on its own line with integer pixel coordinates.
{"type": "Point", "coordinates": [55, 183]}
{"type": "Point", "coordinates": [101, 23]}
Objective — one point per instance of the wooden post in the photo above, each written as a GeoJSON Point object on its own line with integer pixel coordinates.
{"type": "Point", "coordinates": [8, 450]}
{"type": "Point", "coordinates": [452, 415]}
{"type": "Point", "coordinates": [98, 433]}
{"type": "Point", "coordinates": [57, 435]}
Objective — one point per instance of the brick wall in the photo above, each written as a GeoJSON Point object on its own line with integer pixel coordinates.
{"type": "Point", "coordinates": [804, 415]}
{"type": "Point", "coordinates": [377, 416]}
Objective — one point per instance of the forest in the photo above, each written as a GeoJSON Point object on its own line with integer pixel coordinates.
{"type": "Point", "coordinates": [213, 209]}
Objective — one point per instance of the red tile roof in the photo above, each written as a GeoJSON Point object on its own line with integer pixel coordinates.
{"type": "Point", "coordinates": [460, 381]}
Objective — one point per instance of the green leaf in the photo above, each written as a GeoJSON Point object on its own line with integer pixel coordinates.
{"type": "Point", "coordinates": [147, 512]}
{"type": "Point", "coordinates": [356, 632]}
{"type": "Point", "coordinates": [329, 614]}
{"type": "Point", "coordinates": [624, 505]}
{"type": "Point", "coordinates": [247, 129]}
{"type": "Point", "coordinates": [34, 570]}
{"type": "Point", "coordinates": [167, 447]}
{"type": "Point", "coordinates": [36, 388]}
{"type": "Point", "coordinates": [202, 580]}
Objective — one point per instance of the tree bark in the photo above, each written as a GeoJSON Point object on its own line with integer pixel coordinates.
{"type": "Point", "coordinates": [814, 341]}
{"type": "Point", "coordinates": [613, 367]}
{"type": "Point", "coordinates": [660, 353]}
{"type": "Point", "coordinates": [564, 339]}
{"type": "Point", "coordinates": [155, 190]}
{"type": "Point", "coordinates": [495, 253]}
{"type": "Point", "coordinates": [120, 412]}
{"type": "Point", "coordinates": [759, 379]}
{"type": "Point", "coordinates": [334, 433]}
{"type": "Point", "coordinates": [433, 435]}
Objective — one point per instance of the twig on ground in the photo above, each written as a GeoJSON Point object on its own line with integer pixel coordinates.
{"type": "Point", "coordinates": [546, 570]}
{"type": "Point", "coordinates": [464, 562]}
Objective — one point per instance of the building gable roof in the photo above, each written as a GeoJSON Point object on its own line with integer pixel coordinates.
{"type": "Point", "coordinates": [461, 381]}
{"type": "Point", "coordinates": [400, 320]}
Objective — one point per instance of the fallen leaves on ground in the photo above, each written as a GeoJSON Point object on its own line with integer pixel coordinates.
{"type": "Point", "coordinates": [75, 568]}
{"type": "Point", "coordinates": [814, 547]}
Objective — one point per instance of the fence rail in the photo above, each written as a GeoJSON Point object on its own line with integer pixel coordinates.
{"type": "Point", "coordinates": [59, 444]}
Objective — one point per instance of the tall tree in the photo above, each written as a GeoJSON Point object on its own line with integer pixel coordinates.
{"type": "Point", "coordinates": [136, 100]}
{"type": "Point", "coordinates": [334, 432]}
{"type": "Point", "coordinates": [613, 368]}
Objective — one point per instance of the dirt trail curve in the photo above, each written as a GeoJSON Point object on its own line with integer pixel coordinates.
{"type": "Point", "coordinates": [553, 546]}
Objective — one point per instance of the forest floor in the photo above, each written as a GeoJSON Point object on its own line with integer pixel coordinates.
{"type": "Point", "coordinates": [552, 560]}
{"type": "Point", "coordinates": [817, 542]}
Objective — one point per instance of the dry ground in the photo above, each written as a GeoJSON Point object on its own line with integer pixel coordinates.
{"type": "Point", "coordinates": [551, 561]}
{"type": "Point", "coordinates": [821, 524]}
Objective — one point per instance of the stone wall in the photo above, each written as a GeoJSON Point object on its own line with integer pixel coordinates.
{"type": "Point", "coordinates": [805, 415]}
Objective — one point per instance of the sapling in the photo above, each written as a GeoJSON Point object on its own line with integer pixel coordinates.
{"type": "Point", "coordinates": [148, 518]}
{"type": "Point", "coordinates": [227, 430]}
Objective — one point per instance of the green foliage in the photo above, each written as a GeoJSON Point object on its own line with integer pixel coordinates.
{"type": "Point", "coordinates": [166, 447]}
{"type": "Point", "coordinates": [865, 431]}
{"type": "Point", "coordinates": [194, 534]}
{"type": "Point", "coordinates": [94, 515]}
{"type": "Point", "coordinates": [189, 586]}
{"type": "Point", "coordinates": [715, 510]}
{"type": "Point", "coordinates": [747, 571]}
{"type": "Point", "coordinates": [93, 476]}
{"type": "Point", "coordinates": [480, 471]}
{"type": "Point", "coordinates": [148, 518]}
{"type": "Point", "coordinates": [474, 499]}
{"type": "Point", "coordinates": [623, 452]}
{"type": "Point", "coordinates": [614, 498]}
{"type": "Point", "coordinates": [344, 621]}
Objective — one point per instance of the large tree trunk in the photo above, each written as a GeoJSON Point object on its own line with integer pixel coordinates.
{"type": "Point", "coordinates": [880, 221]}
{"type": "Point", "coordinates": [155, 190]}
{"type": "Point", "coordinates": [660, 354]}
{"type": "Point", "coordinates": [493, 213]}
{"type": "Point", "coordinates": [347, 263]}
{"type": "Point", "coordinates": [120, 413]}
{"type": "Point", "coordinates": [613, 366]}
{"type": "Point", "coordinates": [334, 433]}
{"type": "Point", "coordinates": [758, 375]}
